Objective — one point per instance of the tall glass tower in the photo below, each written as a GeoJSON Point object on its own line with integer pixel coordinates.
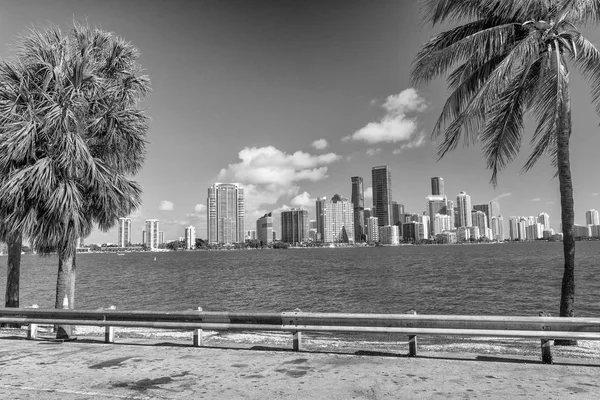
{"type": "Point", "coordinates": [358, 201]}
{"type": "Point", "coordinates": [382, 194]}
{"type": "Point", "coordinates": [226, 213]}
{"type": "Point", "coordinates": [437, 186]}
{"type": "Point", "coordinates": [463, 203]}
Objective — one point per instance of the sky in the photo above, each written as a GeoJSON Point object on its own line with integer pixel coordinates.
{"type": "Point", "coordinates": [293, 98]}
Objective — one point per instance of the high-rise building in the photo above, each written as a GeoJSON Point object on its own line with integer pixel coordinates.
{"type": "Point", "coordinates": [592, 217]}
{"type": "Point", "coordinates": [437, 186]}
{"type": "Point", "coordinates": [463, 203]}
{"type": "Point", "coordinates": [397, 213]}
{"type": "Point", "coordinates": [498, 228]}
{"type": "Point", "coordinates": [251, 234]}
{"type": "Point", "coordinates": [358, 200]}
{"type": "Point", "coordinates": [382, 194]}
{"type": "Point", "coordinates": [294, 225]}
{"type": "Point", "coordinates": [151, 239]}
{"type": "Point", "coordinates": [124, 232]}
{"type": "Point", "coordinates": [190, 237]}
{"type": "Point", "coordinates": [372, 230]}
{"type": "Point", "coordinates": [441, 223]}
{"type": "Point", "coordinates": [226, 213]}
{"type": "Point", "coordinates": [544, 219]}
{"type": "Point", "coordinates": [389, 235]}
{"type": "Point", "coordinates": [479, 219]}
{"type": "Point", "coordinates": [485, 208]}
{"type": "Point", "coordinates": [338, 220]}
{"type": "Point", "coordinates": [320, 209]}
{"type": "Point", "coordinates": [494, 209]}
{"type": "Point", "coordinates": [435, 204]}
{"type": "Point", "coordinates": [264, 229]}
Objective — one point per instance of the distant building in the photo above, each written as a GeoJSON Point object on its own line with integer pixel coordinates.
{"type": "Point", "coordinates": [226, 213]}
{"type": "Point", "coordinates": [124, 238]}
{"type": "Point", "coordinates": [151, 239]}
{"type": "Point", "coordinates": [544, 219]}
{"type": "Point", "coordinates": [485, 208]}
{"type": "Point", "coordinates": [161, 237]}
{"type": "Point", "coordinates": [437, 186]}
{"type": "Point", "coordinates": [382, 194]}
{"type": "Point", "coordinates": [592, 217]}
{"type": "Point", "coordinates": [294, 225]}
{"type": "Point", "coordinates": [583, 232]}
{"type": "Point", "coordinates": [479, 219]}
{"type": "Point", "coordinates": [372, 230]}
{"type": "Point", "coordinates": [498, 228]}
{"type": "Point", "coordinates": [320, 210]}
{"type": "Point", "coordinates": [535, 231]}
{"type": "Point", "coordinates": [435, 204]}
{"type": "Point", "coordinates": [251, 234]}
{"type": "Point", "coordinates": [463, 203]}
{"type": "Point", "coordinates": [358, 200]}
{"type": "Point", "coordinates": [441, 223]}
{"type": "Point", "coordinates": [389, 234]}
{"type": "Point", "coordinates": [397, 213]}
{"type": "Point", "coordinates": [264, 229]}
{"type": "Point", "coordinates": [338, 220]}
{"type": "Point", "coordinates": [190, 237]}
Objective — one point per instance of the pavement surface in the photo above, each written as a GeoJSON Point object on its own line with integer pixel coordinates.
{"type": "Point", "coordinates": [152, 369]}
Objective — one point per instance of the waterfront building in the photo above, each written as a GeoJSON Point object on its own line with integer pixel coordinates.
{"type": "Point", "coordinates": [411, 232]}
{"type": "Point", "coordinates": [389, 234]}
{"type": "Point", "coordinates": [494, 209]}
{"type": "Point", "coordinates": [264, 229]}
{"type": "Point", "coordinates": [294, 225]}
{"type": "Point", "coordinates": [151, 234]}
{"type": "Point", "coordinates": [312, 235]}
{"type": "Point", "coordinates": [251, 234]}
{"type": "Point", "coordinates": [161, 237]}
{"type": "Point", "coordinates": [548, 233]}
{"type": "Point", "coordinates": [498, 228]}
{"type": "Point", "coordinates": [544, 219]}
{"type": "Point", "coordinates": [479, 219]}
{"type": "Point", "coordinates": [397, 213]}
{"type": "Point", "coordinates": [441, 223]}
{"type": "Point", "coordinates": [437, 186]}
{"type": "Point", "coordinates": [583, 231]}
{"type": "Point", "coordinates": [338, 220]}
{"type": "Point", "coordinates": [382, 194]}
{"type": "Point", "coordinates": [435, 204]}
{"type": "Point", "coordinates": [320, 209]}
{"type": "Point", "coordinates": [522, 225]}
{"type": "Point", "coordinates": [226, 213]}
{"type": "Point", "coordinates": [450, 212]}
{"type": "Point", "coordinates": [372, 230]}
{"type": "Point", "coordinates": [463, 203]}
{"type": "Point", "coordinates": [124, 239]}
{"type": "Point", "coordinates": [592, 217]}
{"type": "Point", "coordinates": [595, 231]}
{"type": "Point", "coordinates": [446, 237]}
{"type": "Point", "coordinates": [274, 236]}
{"type": "Point", "coordinates": [190, 237]}
{"type": "Point", "coordinates": [535, 231]}
{"type": "Point", "coordinates": [424, 227]}
{"type": "Point", "coordinates": [312, 224]}
{"type": "Point", "coordinates": [463, 234]}
{"type": "Point", "coordinates": [358, 200]}
{"type": "Point", "coordinates": [485, 208]}
{"type": "Point", "coordinates": [474, 232]}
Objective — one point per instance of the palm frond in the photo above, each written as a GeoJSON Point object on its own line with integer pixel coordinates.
{"type": "Point", "coordinates": [588, 62]}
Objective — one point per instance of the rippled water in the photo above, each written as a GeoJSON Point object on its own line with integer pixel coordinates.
{"type": "Point", "coordinates": [485, 279]}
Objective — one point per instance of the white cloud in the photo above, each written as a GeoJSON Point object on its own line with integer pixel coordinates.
{"type": "Point", "coordinates": [536, 199]}
{"type": "Point", "coordinates": [372, 152]}
{"type": "Point", "coordinates": [417, 141]}
{"type": "Point", "coordinates": [549, 202]}
{"type": "Point", "coordinates": [394, 126]}
{"type": "Point", "coordinates": [267, 173]}
{"type": "Point", "coordinates": [199, 208]}
{"type": "Point", "coordinates": [595, 194]}
{"type": "Point", "coordinates": [166, 205]}
{"type": "Point", "coordinates": [319, 144]}
{"type": "Point", "coordinates": [368, 192]}
{"type": "Point", "coordinates": [501, 196]}
{"type": "Point", "coordinates": [303, 200]}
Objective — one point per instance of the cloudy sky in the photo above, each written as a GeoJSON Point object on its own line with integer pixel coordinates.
{"type": "Point", "coordinates": [292, 99]}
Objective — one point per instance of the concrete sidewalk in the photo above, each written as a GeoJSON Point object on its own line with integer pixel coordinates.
{"type": "Point", "coordinates": [142, 369]}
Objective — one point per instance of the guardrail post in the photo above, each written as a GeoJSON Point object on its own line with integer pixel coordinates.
{"type": "Point", "coordinates": [545, 345]}
{"type": "Point", "coordinates": [412, 341]}
{"type": "Point", "coordinates": [198, 335]}
{"type": "Point", "coordinates": [109, 331]}
{"type": "Point", "coordinates": [297, 341]}
{"type": "Point", "coordinates": [32, 329]}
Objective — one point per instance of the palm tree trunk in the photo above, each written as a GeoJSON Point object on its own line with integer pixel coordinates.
{"type": "Point", "coordinates": [13, 272]}
{"type": "Point", "coordinates": [563, 134]}
{"type": "Point", "coordinates": [65, 286]}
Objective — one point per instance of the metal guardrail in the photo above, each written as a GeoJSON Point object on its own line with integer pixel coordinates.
{"type": "Point", "coordinates": [543, 328]}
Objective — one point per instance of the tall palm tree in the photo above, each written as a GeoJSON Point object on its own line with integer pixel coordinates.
{"type": "Point", "coordinates": [71, 135]}
{"type": "Point", "coordinates": [509, 59]}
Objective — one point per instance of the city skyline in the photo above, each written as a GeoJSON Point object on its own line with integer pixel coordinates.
{"type": "Point", "coordinates": [291, 99]}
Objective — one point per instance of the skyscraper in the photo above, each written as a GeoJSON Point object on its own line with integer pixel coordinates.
{"type": "Point", "coordinates": [226, 213]}
{"type": "Point", "coordinates": [264, 229]}
{"type": "Point", "coordinates": [338, 220]}
{"type": "Point", "coordinates": [294, 225]}
{"type": "Point", "coordinates": [190, 237]}
{"type": "Point", "coordinates": [435, 204]}
{"type": "Point", "coordinates": [479, 219]}
{"type": "Point", "coordinates": [382, 194]}
{"type": "Point", "coordinates": [124, 232]}
{"type": "Point", "coordinates": [463, 203]}
{"type": "Point", "coordinates": [397, 213]}
{"type": "Point", "coordinates": [498, 228]}
{"type": "Point", "coordinates": [592, 217]}
{"type": "Point", "coordinates": [152, 234]}
{"type": "Point", "coordinates": [437, 186]}
{"type": "Point", "coordinates": [544, 219]}
{"type": "Point", "coordinates": [358, 200]}
{"type": "Point", "coordinates": [320, 208]}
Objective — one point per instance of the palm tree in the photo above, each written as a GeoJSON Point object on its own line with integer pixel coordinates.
{"type": "Point", "coordinates": [71, 135]}
{"type": "Point", "coordinates": [509, 59]}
